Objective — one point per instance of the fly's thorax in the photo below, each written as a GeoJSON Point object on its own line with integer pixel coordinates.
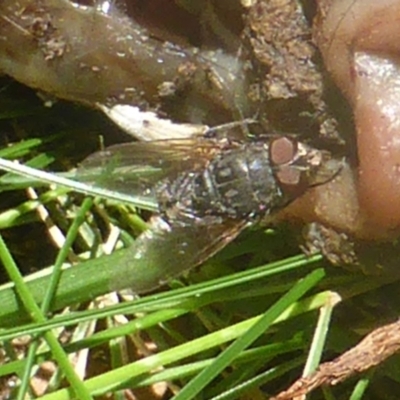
{"type": "Point", "coordinates": [238, 183]}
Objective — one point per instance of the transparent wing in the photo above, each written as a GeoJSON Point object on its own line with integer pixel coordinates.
{"type": "Point", "coordinates": [164, 252]}
{"type": "Point", "coordinates": [134, 168]}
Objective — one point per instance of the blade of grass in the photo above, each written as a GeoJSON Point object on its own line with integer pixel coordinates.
{"type": "Point", "coordinates": [63, 254]}
{"type": "Point", "coordinates": [182, 371]}
{"type": "Point", "coordinates": [92, 278]}
{"type": "Point", "coordinates": [362, 386]}
{"type": "Point", "coordinates": [51, 290]}
{"type": "Point", "coordinates": [196, 385]}
{"type": "Point", "coordinates": [8, 181]}
{"type": "Point", "coordinates": [75, 286]}
{"type": "Point", "coordinates": [20, 149]}
{"type": "Point", "coordinates": [12, 217]}
{"type": "Point", "coordinates": [34, 311]}
{"type": "Point", "coordinates": [321, 331]}
{"type": "Point", "coordinates": [170, 307]}
{"type": "Point", "coordinates": [79, 187]}
{"type": "Point", "coordinates": [243, 375]}
{"type": "Point", "coordinates": [101, 337]}
{"type": "Point", "coordinates": [244, 388]}
{"type": "Point", "coordinates": [114, 379]}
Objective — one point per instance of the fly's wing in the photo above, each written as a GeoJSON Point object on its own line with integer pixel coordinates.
{"type": "Point", "coordinates": [135, 168]}
{"type": "Point", "coordinates": [166, 251]}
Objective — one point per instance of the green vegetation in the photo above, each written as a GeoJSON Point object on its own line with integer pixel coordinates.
{"type": "Point", "coordinates": [245, 324]}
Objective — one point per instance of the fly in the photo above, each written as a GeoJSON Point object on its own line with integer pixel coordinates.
{"type": "Point", "coordinates": [207, 191]}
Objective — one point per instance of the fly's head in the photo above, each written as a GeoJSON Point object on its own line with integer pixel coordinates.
{"type": "Point", "coordinates": [298, 166]}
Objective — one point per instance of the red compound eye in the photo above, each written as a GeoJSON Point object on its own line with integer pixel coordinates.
{"type": "Point", "coordinates": [289, 176]}
{"type": "Point", "coordinates": [283, 150]}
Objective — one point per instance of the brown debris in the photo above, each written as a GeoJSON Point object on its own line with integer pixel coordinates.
{"type": "Point", "coordinates": [41, 27]}
{"type": "Point", "coordinates": [279, 36]}
{"type": "Point", "coordinates": [345, 250]}
{"type": "Point", "coordinates": [374, 349]}
{"type": "Point", "coordinates": [281, 40]}
{"type": "Point", "coordinates": [336, 246]}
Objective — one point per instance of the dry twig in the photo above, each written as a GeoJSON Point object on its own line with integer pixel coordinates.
{"type": "Point", "coordinates": [375, 348]}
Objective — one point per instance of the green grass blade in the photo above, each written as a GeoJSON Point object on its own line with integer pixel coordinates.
{"type": "Point", "coordinates": [35, 313]}
{"type": "Point", "coordinates": [79, 187]}
{"type": "Point", "coordinates": [321, 331]}
{"type": "Point", "coordinates": [227, 356]}
{"type": "Point", "coordinates": [92, 278]}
